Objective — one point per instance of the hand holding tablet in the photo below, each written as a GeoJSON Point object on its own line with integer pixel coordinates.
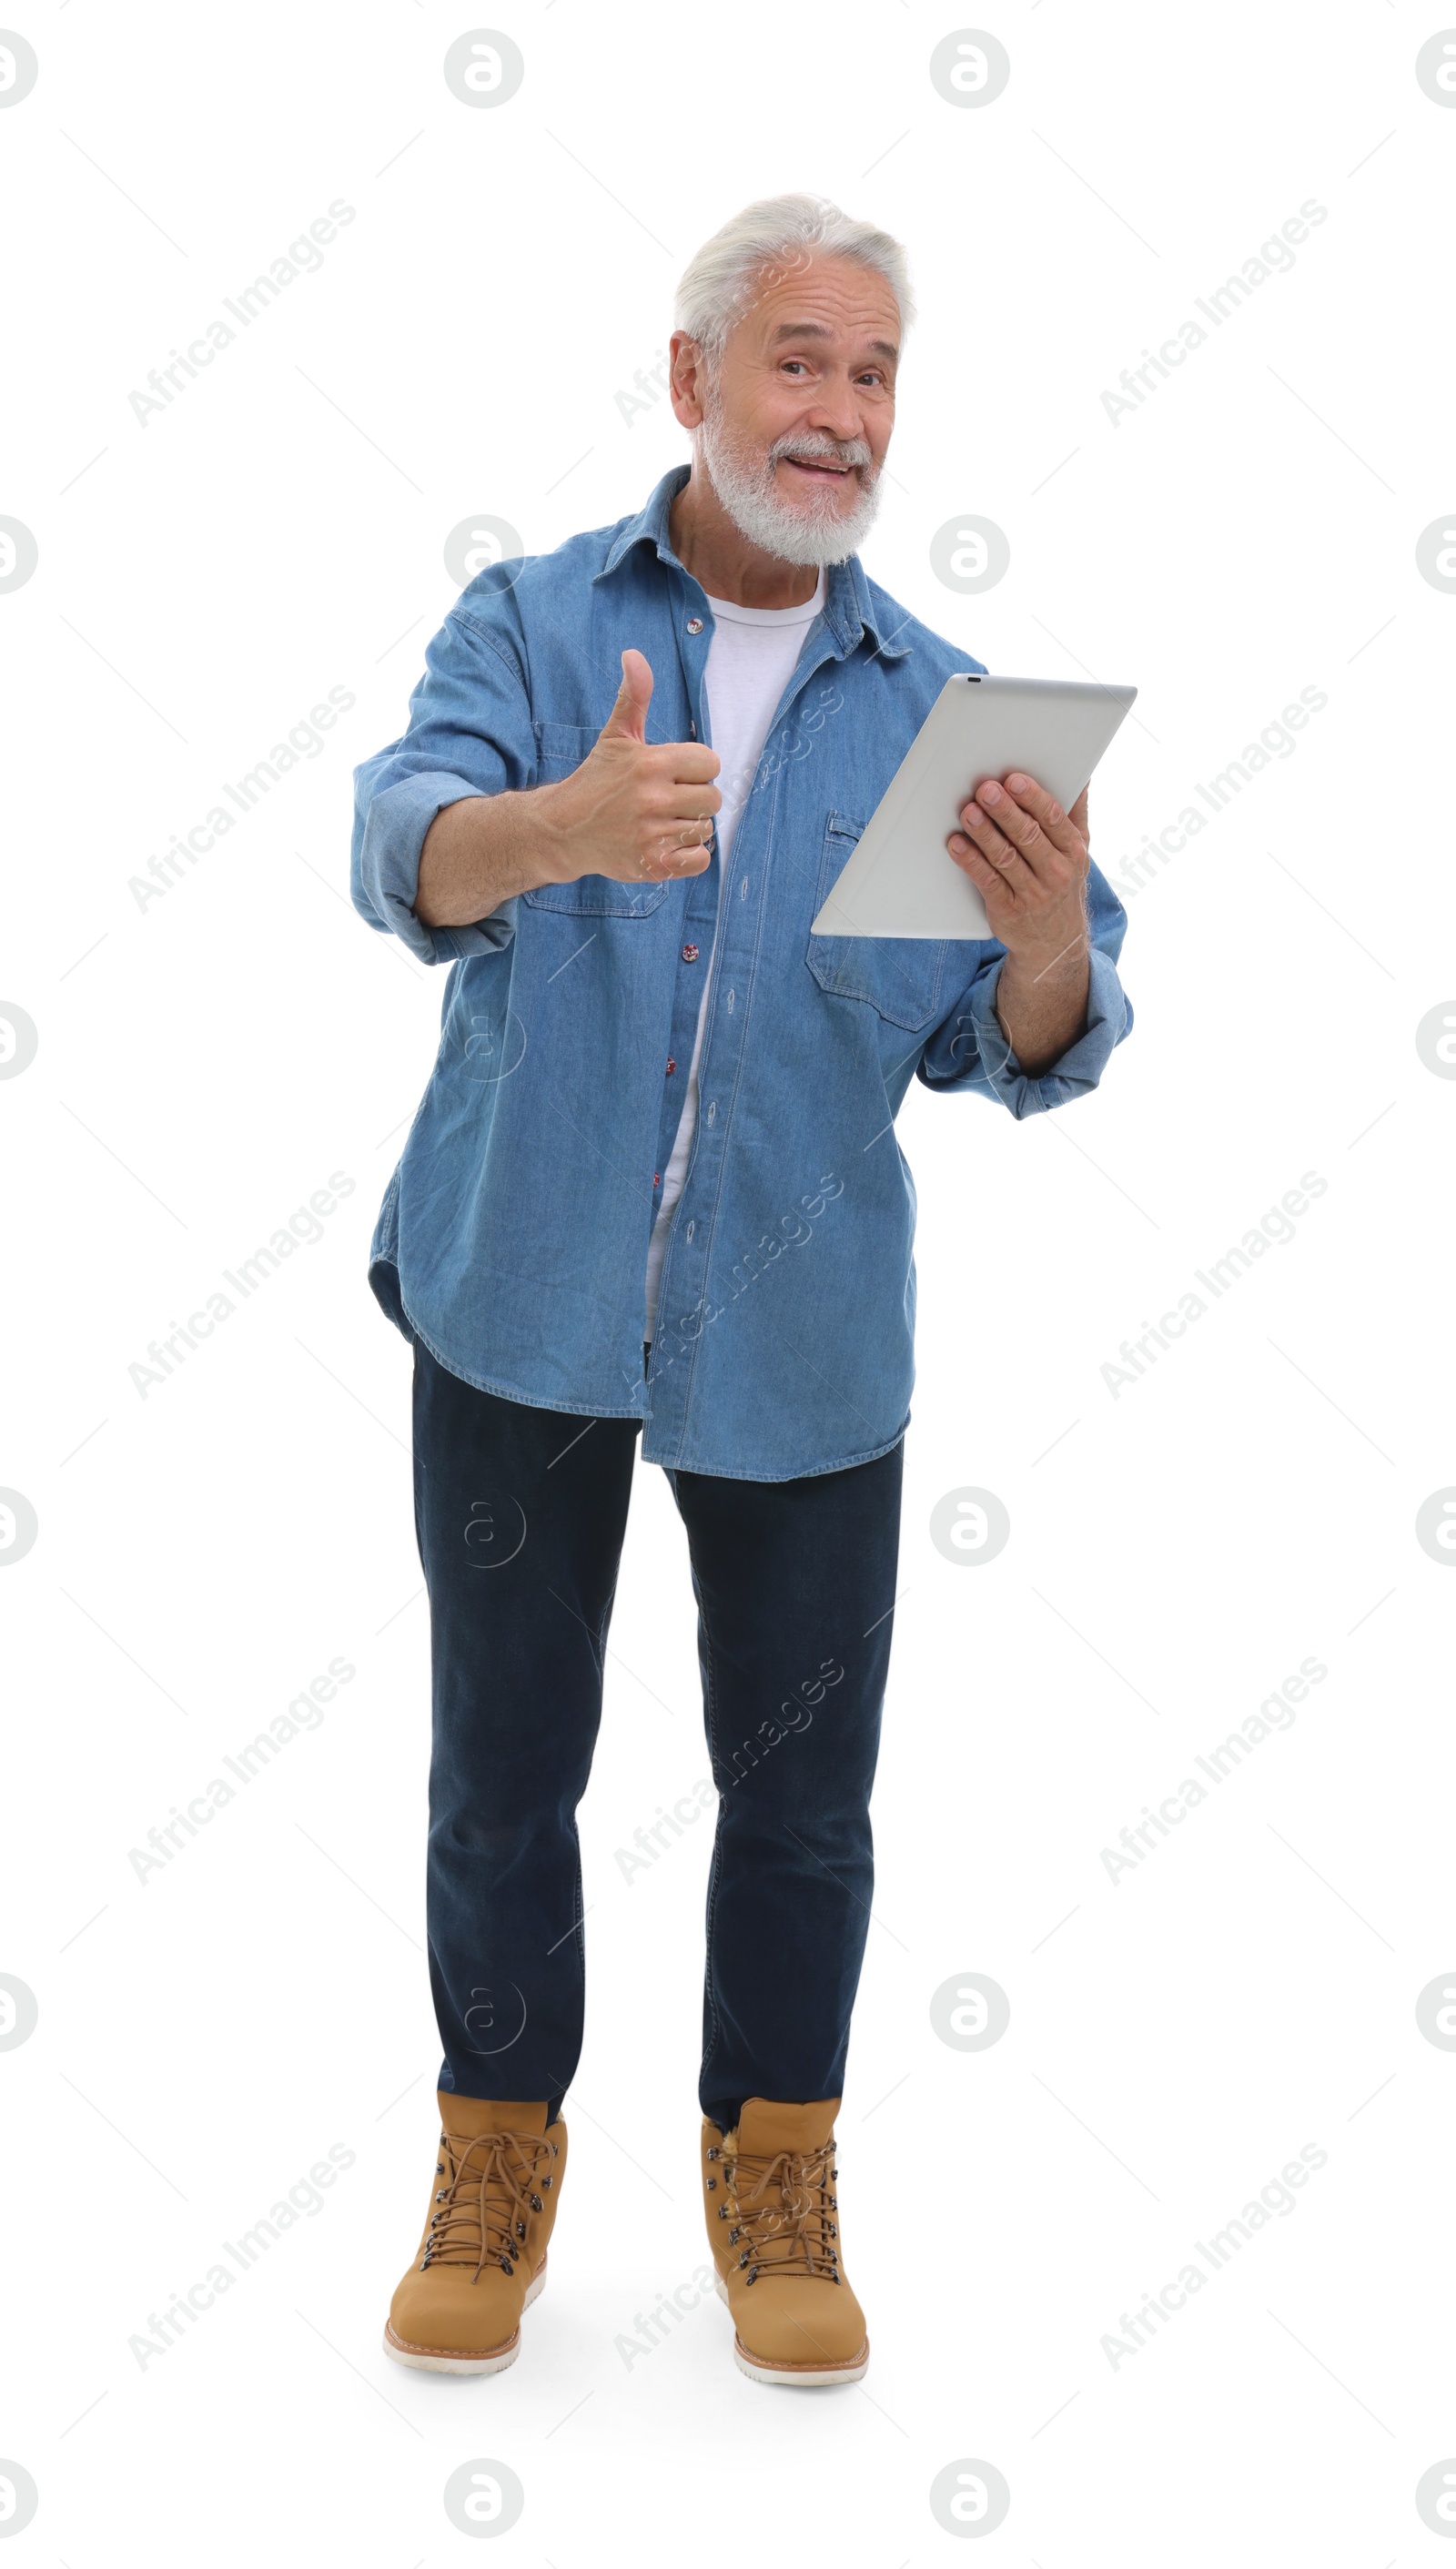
{"type": "Point", "coordinates": [920, 867]}
{"type": "Point", "coordinates": [1028, 860]}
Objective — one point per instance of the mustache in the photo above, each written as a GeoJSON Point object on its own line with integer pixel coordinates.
{"type": "Point", "coordinates": [819, 450]}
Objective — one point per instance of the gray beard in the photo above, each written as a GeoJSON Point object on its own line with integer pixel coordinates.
{"type": "Point", "coordinates": [743, 478]}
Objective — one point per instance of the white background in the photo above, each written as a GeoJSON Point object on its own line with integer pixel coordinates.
{"type": "Point", "coordinates": [207, 1062]}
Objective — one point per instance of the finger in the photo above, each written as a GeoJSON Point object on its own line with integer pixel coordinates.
{"type": "Point", "coordinates": [979, 829]}
{"type": "Point", "coordinates": [1043, 861]}
{"type": "Point", "coordinates": [687, 762]}
{"type": "Point", "coordinates": [627, 719]}
{"type": "Point", "coordinates": [686, 803]}
{"type": "Point", "coordinates": [694, 835]}
{"type": "Point", "coordinates": [1052, 829]}
{"type": "Point", "coordinates": [670, 859]}
{"type": "Point", "coordinates": [991, 886]}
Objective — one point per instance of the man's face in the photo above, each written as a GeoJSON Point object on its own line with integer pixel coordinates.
{"type": "Point", "coordinates": [795, 419]}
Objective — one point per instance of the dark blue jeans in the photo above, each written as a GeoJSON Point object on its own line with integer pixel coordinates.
{"type": "Point", "coordinates": [520, 1514]}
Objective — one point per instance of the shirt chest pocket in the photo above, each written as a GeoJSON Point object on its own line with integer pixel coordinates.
{"type": "Point", "coordinates": [560, 749]}
{"type": "Point", "coordinates": [904, 979]}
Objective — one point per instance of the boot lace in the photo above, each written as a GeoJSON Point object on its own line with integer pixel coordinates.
{"type": "Point", "coordinates": [780, 2208]}
{"type": "Point", "coordinates": [493, 2183]}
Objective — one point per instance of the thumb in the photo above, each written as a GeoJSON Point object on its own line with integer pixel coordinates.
{"type": "Point", "coordinates": [628, 716]}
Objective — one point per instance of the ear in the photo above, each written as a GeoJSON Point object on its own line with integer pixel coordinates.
{"type": "Point", "coordinates": [687, 380]}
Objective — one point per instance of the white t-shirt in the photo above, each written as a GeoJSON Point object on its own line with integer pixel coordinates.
{"type": "Point", "coordinates": [751, 658]}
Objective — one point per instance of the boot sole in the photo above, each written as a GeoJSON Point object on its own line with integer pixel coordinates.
{"type": "Point", "coordinates": [494, 2358]}
{"type": "Point", "coordinates": [794, 2377]}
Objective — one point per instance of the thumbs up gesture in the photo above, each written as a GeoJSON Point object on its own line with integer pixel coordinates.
{"type": "Point", "coordinates": [635, 813]}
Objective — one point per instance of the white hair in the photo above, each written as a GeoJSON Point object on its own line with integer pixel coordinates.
{"type": "Point", "coordinates": [778, 233]}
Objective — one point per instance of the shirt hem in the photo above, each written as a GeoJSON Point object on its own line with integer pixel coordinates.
{"type": "Point", "coordinates": [512, 1392]}
{"type": "Point", "coordinates": [600, 1409]}
{"type": "Point", "coordinates": [806, 1472]}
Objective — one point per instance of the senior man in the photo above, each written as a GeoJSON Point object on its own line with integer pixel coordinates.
{"type": "Point", "coordinates": [653, 1189]}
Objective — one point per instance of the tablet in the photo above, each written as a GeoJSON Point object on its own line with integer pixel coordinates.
{"type": "Point", "coordinates": [900, 880]}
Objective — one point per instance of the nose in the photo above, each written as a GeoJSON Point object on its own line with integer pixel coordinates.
{"type": "Point", "coordinates": [836, 412]}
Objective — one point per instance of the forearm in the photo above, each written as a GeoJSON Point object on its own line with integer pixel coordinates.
{"type": "Point", "coordinates": [1042, 1007]}
{"type": "Point", "coordinates": [483, 851]}
{"type": "Point", "coordinates": [633, 813]}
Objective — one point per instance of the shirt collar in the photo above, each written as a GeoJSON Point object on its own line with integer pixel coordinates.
{"type": "Point", "coordinates": [848, 610]}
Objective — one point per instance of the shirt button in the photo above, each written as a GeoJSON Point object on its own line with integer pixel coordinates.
{"type": "Point", "coordinates": [671, 1067]}
{"type": "Point", "coordinates": [689, 955]}
{"type": "Point", "coordinates": [694, 624]}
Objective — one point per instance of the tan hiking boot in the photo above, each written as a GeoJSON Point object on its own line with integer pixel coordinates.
{"type": "Point", "coordinates": [482, 2253]}
{"type": "Point", "coordinates": [768, 2192]}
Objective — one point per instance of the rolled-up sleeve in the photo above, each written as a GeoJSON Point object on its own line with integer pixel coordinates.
{"type": "Point", "coordinates": [968, 1049]}
{"type": "Point", "coordinates": [470, 732]}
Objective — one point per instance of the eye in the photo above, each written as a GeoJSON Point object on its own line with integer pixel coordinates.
{"type": "Point", "coordinates": [794, 361]}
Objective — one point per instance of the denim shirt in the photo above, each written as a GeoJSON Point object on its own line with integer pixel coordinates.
{"type": "Point", "coordinates": [513, 1238]}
